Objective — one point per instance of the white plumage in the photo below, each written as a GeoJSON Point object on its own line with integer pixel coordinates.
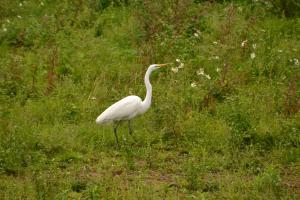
{"type": "Point", "coordinates": [125, 109]}
{"type": "Point", "coordinates": [129, 107]}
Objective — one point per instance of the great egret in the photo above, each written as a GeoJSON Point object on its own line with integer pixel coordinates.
{"type": "Point", "coordinates": [129, 107]}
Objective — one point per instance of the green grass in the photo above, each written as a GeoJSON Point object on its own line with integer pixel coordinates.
{"type": "Point", "coordinates": [233, 135]}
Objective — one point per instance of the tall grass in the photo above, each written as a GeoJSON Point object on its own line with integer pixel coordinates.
{"type": "Point", "coordinates": [224, 123]}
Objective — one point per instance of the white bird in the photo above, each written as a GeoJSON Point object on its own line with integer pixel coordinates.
{"type": "Point", "coordinates": [129, 107]}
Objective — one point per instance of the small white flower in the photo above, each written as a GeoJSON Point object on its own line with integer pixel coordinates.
{"type": "Point", "coordinates": [243, 44]}
{"type": "Point", "coordinates": [254, 46]}
{"type": "Point", "coordinates": [19, 16]}
{"type": "Point", "coordinates": [4, 29]}
{"type": "Point", "coordinates": [93, 98]}
{"type": "Point", "coordinates": [20, 4]}
{"type": "Point", "coordinates": [216, 57]}
{"type": "Point", "coordinates": [174, 69]}
{"type": "Point", "coordinates": [42, 3]}
{"type": "Point", "coordinates": [268, 3]}
{"type": "Point", "coordinates": [296, 61]}
{"type": "Point", "coordinates": [193, 85]}
{"type": "Point", "coordinates": [215, 42]}
{"type": "Point", "coordinates": [218, 69]}
{"type": "Point", "coordinates": [7, 20]}
{"type": "Point", "coordinates": [252, 55]}
{"type": "Point", "coordinates": [200, 71]}
{"type": "Point", "coordinates": [207, 76]}
{"type": "Point", "coordinates": [279, 51]}
{"type": "Point", "coordinates": [177, 60]}
{"type": "Point", "coordinates": [196, 34]}
{"type": "Point", "coordinates": [181, 65]}
{"type": "Point", "coordinates": [263, 30]}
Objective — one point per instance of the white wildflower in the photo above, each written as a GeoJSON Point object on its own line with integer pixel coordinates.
{"type": "Point", "coordinates": [4, 29]}
{"type": "Point", "coordinates": [252, 55]}
{"type": "Point", "coordinates": [7, 20]}
{"type": "Point", "coordinates": [216, 57]}
{"type": "Point", "coordinates": [279, 51]}
{"type": "Point", "coordinates": [181, 65]}
{"type": "Point", "coordinates": [268, 3]}
{"type": "Point", "coordinates": [174, 69]}
{"type": "Point", "coordinates": [200, 71]}
{"type": "Point", "coordinates": [93, 98]}
{"type": "Point", "coordinates": [196, 34]}
{"type": "Point", "coordinates": [19, 16]}
{"type": "Point", "coordinates": [207, 76]}
{"type": "Point", "coordinates": [20, 4]}
{"type": "Point", "coordinates": [218, 69]}
{"type": "Point", "coordinates": [243, 44]}
{"type": "Point", "coordinates": [42, 3]}
{"type": "Point", "coordinates": [215, 42]}
{"type": "Point", "coordinates": [193, 84]}
{"type": "Point", "coordinates": [254, 46]}
{"type": "Point", "coordinates": [296, 61]}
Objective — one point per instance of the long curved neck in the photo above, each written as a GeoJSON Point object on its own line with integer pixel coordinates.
{"type": "Point", "coordinates": [147, 100]}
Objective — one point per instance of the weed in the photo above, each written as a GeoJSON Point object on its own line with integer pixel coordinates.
{"type": "Point", "coordinates": [268, 181]}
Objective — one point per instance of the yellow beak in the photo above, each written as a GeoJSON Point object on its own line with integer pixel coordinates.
{"type": "Point", "coordinates": [162, 65]}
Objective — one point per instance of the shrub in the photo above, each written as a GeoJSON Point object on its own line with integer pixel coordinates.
{"type": "Point", "coordinates": [288, 8]}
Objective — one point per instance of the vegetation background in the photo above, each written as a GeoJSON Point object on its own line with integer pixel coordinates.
{"type": "Point", "coordinates": [224, 123]}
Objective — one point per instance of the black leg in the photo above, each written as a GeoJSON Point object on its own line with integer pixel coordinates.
{"type": "Point", "coordinates": [130, 130]}
{"type": "Point", "coordinates": [115, 132]}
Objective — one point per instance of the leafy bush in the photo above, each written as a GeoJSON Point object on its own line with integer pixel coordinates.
{"type": "Point", "coordinates": [243, 134]}
{"type": "Point", "coordinates": [288, 8]}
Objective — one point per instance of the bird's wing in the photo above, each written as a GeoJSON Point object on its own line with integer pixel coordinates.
{"type": "Point", "coordinates": [124, 109]}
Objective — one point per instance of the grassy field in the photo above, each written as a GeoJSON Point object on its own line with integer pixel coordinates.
{"type": "Point", "coordinates": [224, 122]}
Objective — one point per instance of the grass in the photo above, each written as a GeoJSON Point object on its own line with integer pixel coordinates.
{"type": "Point", "coordinates": [231, 132]}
